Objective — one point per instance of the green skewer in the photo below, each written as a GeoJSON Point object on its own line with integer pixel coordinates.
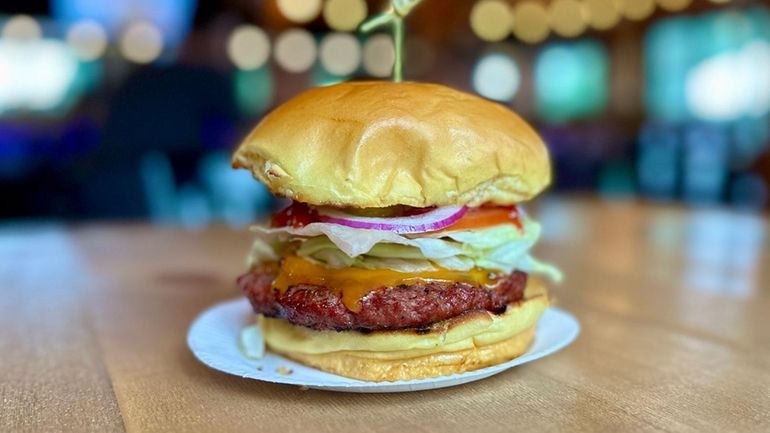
{"type": "Point", "coordinates": [398, 44]}
{"type": "Point", "coordinates": [394, 17]}
{"type": "Point", "coordinates": [376, 21]}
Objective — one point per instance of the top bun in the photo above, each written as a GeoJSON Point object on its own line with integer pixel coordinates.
{"type": "Point", "coordinates": [378, 144]}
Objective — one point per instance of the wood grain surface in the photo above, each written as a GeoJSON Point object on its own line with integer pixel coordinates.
{"type": "Point", "coordinates": [674, 305]}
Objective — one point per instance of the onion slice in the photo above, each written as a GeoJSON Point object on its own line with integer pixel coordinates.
{"type": "Point", "coordinates": [430, 221]}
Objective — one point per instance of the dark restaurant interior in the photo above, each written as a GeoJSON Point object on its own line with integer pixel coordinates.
{"type": "Point", "coordinates": [129, 109]}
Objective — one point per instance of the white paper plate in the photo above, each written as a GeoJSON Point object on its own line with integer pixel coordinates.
{"type": "Point", "coordinates": [213, 338]}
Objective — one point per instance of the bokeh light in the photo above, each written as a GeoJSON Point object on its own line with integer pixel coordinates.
{"type": "Point", "coordinates": [295, 50]}
{"type": "Point", "coordinates": [704, 161]}
{"type": "Point", "coordinates": [530, 21]}
{"type": "Point", "coordinates": [566, 18]}
{"type": "Point", "coordinates": [667, 58]}
{"type": "Point", "coordinates": [601, 14]}
{"type": "Point", "coordinates": [36, 75]}
{"type": "Point", "coordinates": [496, 76]}
{"type": "Point", "coordinates": [731, 84]}
{"type": "Point", "coordinates": [712, 92]}
{"type": "Point", "coordinates": [379, 55]}
{"type": "Point", "coordinates": [88, 39]}
{"type": "Point", "coordinates": [254, 90]}
{"type": "Point", "coordinates": [141, 42]}
{"type": "Point", "coordinates": [756, 66]}
{"type": "Point", "coordinates": [248, 47]}
{"type": "Point", "coordinates": [299, 11]}
{"type": "Point", "coordinates": [674, 5]}
{"type": "Point", "coordinates": [571, 80]}
{"type": "Point", "coordinates": [22, 27]}
{"type": "Point", "coordinates": [637, 10]}
{"type": "Point", "coordinates": [344, 15]}
{"type": "Point", "coordinates": [173, 18]}
{"type": "Point", "coordinates": [340, 53]}
{"type": "Point", "coordinates": [491, 20]}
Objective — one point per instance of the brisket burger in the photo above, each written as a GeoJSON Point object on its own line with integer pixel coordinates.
{"type": "Point", "coordinates": [404, 252]}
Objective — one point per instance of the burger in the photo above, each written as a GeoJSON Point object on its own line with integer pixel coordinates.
{"type": "Point", "coordinates": [404, 251]}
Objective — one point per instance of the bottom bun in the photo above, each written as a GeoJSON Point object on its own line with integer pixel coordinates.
{"type": "Point", "coordinates": [437, 364]}
{"type": "Point", "coordinates": [468, 342]}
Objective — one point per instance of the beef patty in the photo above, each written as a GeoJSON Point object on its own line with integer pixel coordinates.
{"type": "Point", "coordinates": [414, 305]}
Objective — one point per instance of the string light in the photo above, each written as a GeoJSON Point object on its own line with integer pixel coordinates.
{"type": "Point", "coordinates": [88, 39]}
{"type": "Point", "coordinates": [674, 5]}
{"type": "Point", "coordinates": [491, 20]}
{"type": "Point", "coordinates": [340, 53]}
{"type": "Point", "coordinates": [379, 55]}
{"type": "Point", "coordinates": [637, 10]}
{"type": "Point", "coordinates": [299, 11]}
{"type": "Point", "coordinates": [601, 14]}
{"type": "Point", "coordinates": [295, 50]}
{"type": "Point", "coordinates": [497, 77]}
{"type": "Point", "coordinates": [344, 15]}
{"type": "Point", "coordinates": [248, 47]}
{"type": "Point", "coordinates": [566, 18]}
{"type": "Point", "coordinates": [22, 27]}
{"type": "Point", "coordinates": [141, 42]}
{"type": "Point", "coordinates": [530, 21]}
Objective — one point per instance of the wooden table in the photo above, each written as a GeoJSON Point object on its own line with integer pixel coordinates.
{"type": "Point", "coordinates": [674, 304]}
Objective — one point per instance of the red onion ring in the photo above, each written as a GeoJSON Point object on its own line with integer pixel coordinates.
{"type": "Point", "coordinates": [430, 221]}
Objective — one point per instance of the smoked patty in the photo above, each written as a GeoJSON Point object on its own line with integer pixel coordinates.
{"type": "Point", "coordinates": [415, 305]}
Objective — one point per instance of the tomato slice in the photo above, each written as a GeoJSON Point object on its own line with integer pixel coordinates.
{"type": "Point", "coordinates": [487, 216]}
{"type": "Point", "coordinates": [295, 215]}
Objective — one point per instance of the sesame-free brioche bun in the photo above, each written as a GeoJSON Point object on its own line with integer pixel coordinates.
{"type": "Point", "coordinates": [378, 144]}
{"type": "Point", "coordinates": [468, 342]}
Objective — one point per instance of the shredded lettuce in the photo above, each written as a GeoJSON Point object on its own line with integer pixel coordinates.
{"type": "Point", "coordinates": [501, 248]}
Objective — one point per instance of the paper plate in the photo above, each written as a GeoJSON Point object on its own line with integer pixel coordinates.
{"type": "Point", "coordinates": [213, 338]}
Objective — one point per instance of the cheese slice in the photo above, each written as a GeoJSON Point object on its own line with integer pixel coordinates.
{"type": "Point", "coordinates": [352, 284]}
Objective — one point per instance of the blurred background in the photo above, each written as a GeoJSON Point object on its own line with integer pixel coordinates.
{"type": "Point", "coordinates": [129, 109]}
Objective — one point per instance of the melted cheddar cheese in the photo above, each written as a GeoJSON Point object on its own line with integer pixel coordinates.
{"type": "Point", "coordinates": [352, 284]}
